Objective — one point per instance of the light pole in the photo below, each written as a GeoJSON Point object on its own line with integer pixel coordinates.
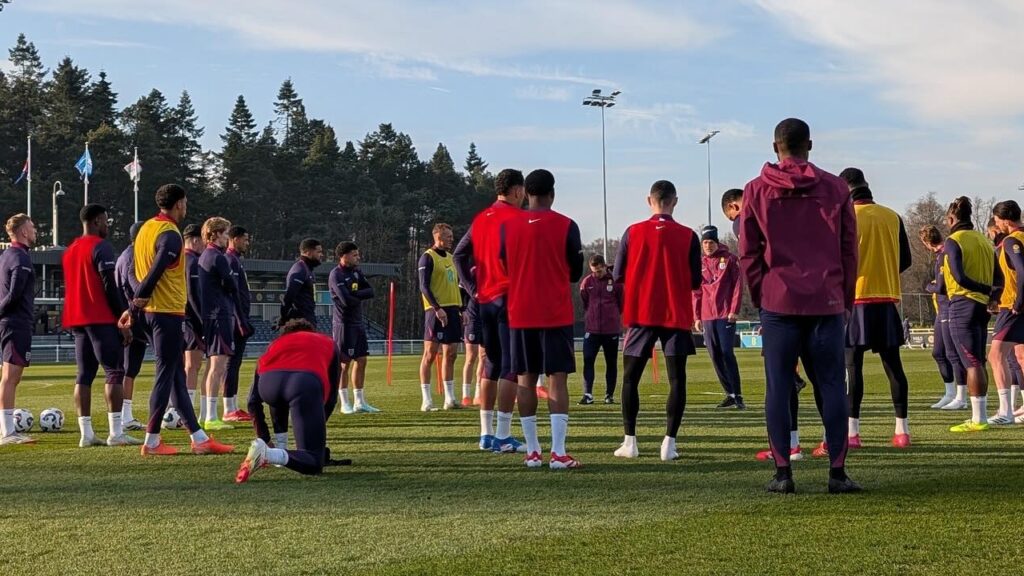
{"type": "Point", "coordinates": [58, 191]}
{"type": "Point", "coordinates": [707, 140]}
{"type": "Point", "coordinates": [597, 99]}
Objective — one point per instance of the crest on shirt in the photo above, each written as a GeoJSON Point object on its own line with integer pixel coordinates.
{"type": "Point", "coordinates": [1016, 248]}
{"type": "Point", "coordinates": [722, 264]}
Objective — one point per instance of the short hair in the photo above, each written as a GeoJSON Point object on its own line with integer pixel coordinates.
{"type": "Point", "coordinates": [213, 227]}
{"type": "Point", "coordinates": [991, 222]}
{"type": "Point", "coordinates": [663, 191]}
{"type": "Point", "coordinates": [297, 325]}
{"type": "Point", "coordinates": [15, 222]}
{"type": "Point", "coordinates": [506, 180]}
{"type": "Point", "coordinates": [854, 178]}
{"type": "Point", "coordinates": [191, 231]}
{"type": "Point", "coordinates": [732, 195]}
{"type": "Point", "coordinates": [930, 235]}
{"type": "Point", "coordinates": [168, 195]}
{"type": "Point", "coordinates": [309, 244]}
{"type": "Point", "coordinates": [597, 260]}
{"type": "Point", "coordinates": [960, 209]}
{"type": "Point", "coordinates": [440, 227]}
{"type": "Point", "coordinates": [1007, 210]}
{"type": "Point", "coordinates": [793, 135]}
{"type": "Point", "coordinates": [236, 232]}
{"type": "Point", "coordinates": [344, 248]}
{"type": "Point", "coordinates": [134, 230]}
{"type": "Point", "coordinates": [540, 182]}
{"type": "Point", "coordinates": [90, 211]}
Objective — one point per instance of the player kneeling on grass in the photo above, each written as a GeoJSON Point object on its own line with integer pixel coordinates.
{"type": "Point", "coordinates": [297, 373]}
{"type": "Point", "coordinates": [97, 314]}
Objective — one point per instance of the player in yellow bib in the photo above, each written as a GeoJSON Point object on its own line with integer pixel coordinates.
{"type": "Point", "coordinates": [1008, 340]}
{"type": "Point", "coordinates": [442, 322]}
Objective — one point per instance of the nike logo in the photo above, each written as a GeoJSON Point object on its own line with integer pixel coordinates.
{"type": "Point", "coordinates": [658, 227]}
{"type": "Point", "coordinates": [532, 220]}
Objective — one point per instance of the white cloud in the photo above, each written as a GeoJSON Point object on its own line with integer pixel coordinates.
{"type": "Point", "coordinates": [545, 93]}
{"type": "Point", "coordinates": [394, 69]}
{"type": "Point", "coordinates": [957, 60]}
{"type": "Point", "coordinates": [535, 134]}
{"type": "Point", "coordinates": [100, 43]}
{"type": "Point", "coordinates": [680, 120]}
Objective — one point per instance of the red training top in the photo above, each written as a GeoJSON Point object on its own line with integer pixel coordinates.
{"type": "Point", "coordinates": [491, 276]}
{"type": "Point", "coordinates": [85, 301]}
{"type": "Point", "coordinates": [659, 259]}
{"type": "Point", "coordinates": [301, 352]}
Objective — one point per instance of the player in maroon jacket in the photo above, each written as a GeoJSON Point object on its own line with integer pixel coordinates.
{"type": "Point", "coordinates": [659, 263]}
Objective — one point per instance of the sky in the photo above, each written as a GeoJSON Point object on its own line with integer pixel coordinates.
{"type": "Point", "coordinates": [923, 96]}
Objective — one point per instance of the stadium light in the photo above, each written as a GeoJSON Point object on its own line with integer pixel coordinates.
{"type": "Point", "coordinates": [596, 99]}
{"type": "Point", "coordinates": [58, 191]}
{"type": "Point", "coordinates": [707, 140]}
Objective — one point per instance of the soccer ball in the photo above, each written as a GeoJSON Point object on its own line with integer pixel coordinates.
{"type": "Point", "coordinates": [23, 420]}
{"type": "Point", "coordinates": [51, 420]}
{"type": "Point", "coordinates": [172, 420]}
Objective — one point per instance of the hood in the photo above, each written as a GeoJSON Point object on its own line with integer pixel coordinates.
{"type": "Point", "coordinates": [791, 174]}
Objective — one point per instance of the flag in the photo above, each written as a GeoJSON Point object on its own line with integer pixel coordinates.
{"type": "Point", "coordinates": [84, 165]}
{"type": "Point", "coordinates": [24, 173]}
{"type": "Point", "coordinates": [134, 170]}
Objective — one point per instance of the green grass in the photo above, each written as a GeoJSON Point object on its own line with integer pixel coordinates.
{"type": "Point", "coordinates": [421, 499]}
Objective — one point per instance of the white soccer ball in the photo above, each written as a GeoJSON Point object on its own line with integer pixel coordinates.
{"type": "Point", "coordinates": [23, 420]}
{"type": "Point", "coordinates": [172, 420]}
{"type": "Point", "coordinates": [51, 420]}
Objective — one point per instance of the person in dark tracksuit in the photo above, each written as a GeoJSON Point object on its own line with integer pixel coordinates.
{"type": "Point", "coordinates": [791, 205]}
{"type": "Point", "coordinates": [1008, 339]}
{"type": "Point", "coordinates": [602, 311]}
{"type": "Point", "coordinates": [658, 263]}
{"type": "Point", "coordinates": [349, 290]}
{"type": "Point", "coordinates": [96, 312]}
{"type": "Point", "coordinates": [969, 270]}
{"type": "Point", "coordinates": [238, 245]}
{"type": "Point", "coordinates": [300, 285]}
{"type": "Point", "coordinates": [135, 352]}
{"type": "Point", "coordinates": [954, 377]}
{"type": "Point", "coordinates": [297, 373]}
{"type": "Point", "coordinates": [192, 326]}
{"type": "Point", "coordinates": [716, 306]}
{"type": "Point", "coordinates": [17, 316]}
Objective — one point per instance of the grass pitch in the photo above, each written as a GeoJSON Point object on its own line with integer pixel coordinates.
{"type": "Point", "coordinates": [422, 499]}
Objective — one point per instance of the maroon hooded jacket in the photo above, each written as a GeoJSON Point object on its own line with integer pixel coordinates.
{"type": "Point", "coordinates": [798, 240]}
{"type": "Point", "coordinates": [721, 292]}
{"type": "Point", "coordinates": [602, 304]}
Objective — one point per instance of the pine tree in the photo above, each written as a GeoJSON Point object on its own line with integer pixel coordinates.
{"type": "Point", "coordinates": [475, 165]}
{"type": "Point", "coordinates": [100, 103]}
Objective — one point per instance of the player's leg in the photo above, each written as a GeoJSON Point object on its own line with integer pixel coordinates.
{"type": "Point", "coordinates": [676, 345]}
{"type": "Point", "coordinates": [527, 400]}
{"type": "Point", "coordinates": [358, 368]}
{"type": "Point", "coordinates": [714, 349]}
{"type": "Point", "coordinates": [942, 362]}
{"type": "Point", "coordinates": [220, 342]}
{"type": "Point", "coordinates": [430, 353]}
{"type": "Point", "coordinates": [636, 351]}
{"type": "Point", "coordinates": [899, 390]}
{"type": "Point", "coordinates": [968, 326]}
{"type": "Point", "coordinates": [193, 366]}
{"type": "Point", "coordinates": [304, 394]}
{"type": "Point", "coordinates": [1018, 357]}
{"type": "Point", "coordinates": [855, 391]}
{"type": "Point", "coordinates": [15, 349]}
{"type": "Point", "coordinates": [961, 400]}
{"type": "Point", "coordinates": [611, 362]}
{"type": "Point", "coordinates": [727, 342]}
{"type": "Point", "coordinates": [449, 338]}
{"type": "Point", "coordinates": [591, 347]}
{"type": "Point", "coordinates": [559, 361]}
{"type": "Point", "coordinates": [1016, 379]}
{"type": "Point", "coordinates": [232, 412]}
{"type": "Point", "coordinates": [781, 350]}
{"type": "Point", "coordinates": [107, 348]}
{"type": "Point", "coordinates": [88, 366]}
{"type": "Point", "coordinates": [508, 386]}
{"type": "Point", "coordinates": [168, 354]}
{"type": "Point", "coordinates": [491, 366]}
{"type": "Point", "coordinates": [134, 355]}
{"type": "Point", "coordinates": [470, 362]}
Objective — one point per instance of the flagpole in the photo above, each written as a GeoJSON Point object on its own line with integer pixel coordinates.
{"type": "Point", "coordinates": [86, 175]}
{"type": "Point", "coordinates": [136, 180]}
{"type": "Point", "coordinates": [29, 162]}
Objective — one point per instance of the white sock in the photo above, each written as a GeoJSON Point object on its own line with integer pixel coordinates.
{"type": "Point", "coordinates": [277, 456]}
{"type": "Point", "coordinates": [854, 427]}
{"type": "Point", "coordinates": [449, 392]}
{"type": "Point", "coordinates": [529, 424]}
{"type": "Point", "coordinates": [487, 422]}
{"type": "Point", "coordinates": [1004, 403]}
{"type": "Point", "coordinates": [629, 441]}
{"type": "Point", "coordinates": [979, 407]}
{"type": "Point", "coordinates": [504, 425]}
{"type": "Point", "coordinates": [281, 440]}
{"type": "Point", "coordinates": [950, 390]}
{"type": "Point", "coordinates": [346, 402]}
{"type": "Point", "coordinates": [559, 428]}
{"type": "Point", "coordinates": [961, 392]}
{"type": "Point", "coordinates": [7, 423]}
{"type": "Point", "coordinates": [126, 411]}
{"type": "Point", "coordinates": [425, 390]}
{"type": "Point", "coordinates": [902, 426]}
{"type": "Point", "coordinates": [1014, 391]}
{"type": "Point", "coordinates": [476, 393]}
{"type": "Point", "coordinates": [202, 408]}
{"type": "Point", "coordinates": [211, 407]}
{"type": "Point", "coordinates": [85, 425]}
{"type": "Point", "coordinates": [540, 383]}
{"type": "Point", "coordinates": [467, 389]}
{"type": "Point", "coordinates": [199, 436]}
{"type": "Point", "coordinates": [230, 404]}
{"type": "Point", "coordinates": [794, 438]}
{"type": "Point", "coordinates": [116, 426]}
{"type": "Point", "coordinates": [359, 396]}
{"type": "Point", "coordinates": [152, 440]}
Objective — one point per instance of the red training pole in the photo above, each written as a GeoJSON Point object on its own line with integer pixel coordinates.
{"type": "Point", "coordinates": [391, 327]}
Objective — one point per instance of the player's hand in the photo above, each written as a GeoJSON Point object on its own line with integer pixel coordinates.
{"type": "Point", "coordinates": [126, 334]}
{"type": "Point", "coordinates": [760, 330]}
{"type": "Point", "coordinates": [731, 318]}
{"type": "Point", "coordinates": [125, 321]}
{"type": "Point", "coordinates": [698, 326]}
{"type": "Point", "coordinates": [140, 302]}
{"type": "Point", "coordinates": [441, 316]}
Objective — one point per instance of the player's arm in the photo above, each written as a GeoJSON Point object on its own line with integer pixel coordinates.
{"type": "Point", "coordinates": [737, 288]}
{"type": "Point", "coordinates": [255, 404]}
{"type": "Point", "coordinates": [955, 264]}
{"type": "Point", "coordinates": [339, 293]}
{"type": "Point", "coordinates": [104, 263]}
{"type": "Point", "coordinates": [168, 250]}
{"type": "Point", "coordinates": [1014, 251]}
{"type": "Point", "coordinates": [619, 270]}
{"type": "Point", "coordinates": [574, 252]}
{"type": "Point", "coordinates": [425, 271]}
{"type": "Point", "coordinates": [365, 291]}
{"type": "Point", "coordinates": [17, 282]}
{"type": "Point", "coordinates": [294, 284]}
{"type": "Point", "coordinates": [464, 264]}
{"type": "Point", "coordinates": [752, 247]}
{"type": "Point", "coordinates": [848, 250]}
{"type": "Point", "coordinates": [696, 274]}
{"type": "Point", "coordinates": [906, 256]}
{"type": "Point", "coordinates": [584, 293]}
{"type": "Point", "coordinates": [698, 301]}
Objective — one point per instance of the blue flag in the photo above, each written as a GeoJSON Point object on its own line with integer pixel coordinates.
{"type": "Point", "coordinates": [84, 164]}
{"type": "Point", "coordinates": [24, 172]}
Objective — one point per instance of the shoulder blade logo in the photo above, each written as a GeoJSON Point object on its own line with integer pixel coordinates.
{"type": "Point", "coordinates": [532, 220]}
